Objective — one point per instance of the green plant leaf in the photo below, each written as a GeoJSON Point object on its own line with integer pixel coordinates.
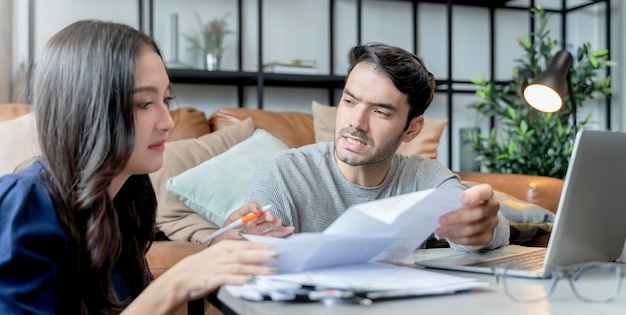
{"type": "Point", "coordinates": [524, 140]}
{"type": "Point", "coordinates": [594, 61]}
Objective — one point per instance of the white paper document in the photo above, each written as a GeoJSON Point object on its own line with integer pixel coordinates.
{"type": "Point", "coordinates": [384, 229]}
{"type": "Point", "coordinates": [369, 280]}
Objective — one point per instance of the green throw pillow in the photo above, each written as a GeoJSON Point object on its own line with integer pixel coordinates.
{"type": "Point", "coordinates": [217, 187]}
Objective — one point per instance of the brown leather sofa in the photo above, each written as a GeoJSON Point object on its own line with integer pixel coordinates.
{"type": "Point", "coordinates": [296, 129]}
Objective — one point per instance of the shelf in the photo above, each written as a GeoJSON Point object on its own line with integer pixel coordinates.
{"type": "Point", "coordinates": [334, 83]}
{"type": "Point", "coordinates": [476, 3]}
{"type": "Point", "coordinates": [321, 81]}
{"type": "Point", "coordinates": [196, 76]}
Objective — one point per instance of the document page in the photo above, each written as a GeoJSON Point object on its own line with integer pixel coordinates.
{"type": "Point", "coordinates": [409, 219]}
{"type": "Point", "coordinates": [307, 251]}
{"type": "Point", "coordinates": [384, 229]}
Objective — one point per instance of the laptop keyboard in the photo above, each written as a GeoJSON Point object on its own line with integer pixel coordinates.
{"type": "Point", "coordinates": [529, 261]}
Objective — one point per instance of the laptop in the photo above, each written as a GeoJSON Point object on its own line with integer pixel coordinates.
{"type": "Point", "coordinates": [590, 222]}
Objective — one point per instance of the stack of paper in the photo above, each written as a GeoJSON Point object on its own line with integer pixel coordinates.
{"type": "Point", "coordinates": [293, 66]}
{"type": "Point", "coordinates": [343, 256]}
{"type": "Point", "coordinates": [369, 280]}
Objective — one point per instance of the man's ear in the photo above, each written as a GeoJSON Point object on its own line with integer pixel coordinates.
{"type": "Point", "coordinates": [415, 126]}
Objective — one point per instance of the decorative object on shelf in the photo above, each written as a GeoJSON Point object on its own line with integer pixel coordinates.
{"type": "Point", "coordinates": [211, 41]}
{"type": "Point", "coordinates": [173, 62]}
{"type": "Point", "coordinates": [291, 66]}
{"type": "Point", "coordinates": [524, 140]}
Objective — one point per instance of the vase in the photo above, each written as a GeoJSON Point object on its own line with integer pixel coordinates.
{"type": "Point", "coordinates": [212, 62]}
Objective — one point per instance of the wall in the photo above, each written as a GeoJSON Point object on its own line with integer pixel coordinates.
{"type": "Point", "coordinates": [298, 29]}
{"type": "Point", "coordinates": [6, 8]}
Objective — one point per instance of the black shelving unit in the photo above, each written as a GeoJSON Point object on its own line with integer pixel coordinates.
{"type": "Point", "coordinates": [333, 82]}
{"type": "Point", "coordinates": [195, 76]}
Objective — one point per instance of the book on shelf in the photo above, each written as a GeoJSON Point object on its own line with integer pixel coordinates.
{"type": "Point", "coordinates": [291, 66]}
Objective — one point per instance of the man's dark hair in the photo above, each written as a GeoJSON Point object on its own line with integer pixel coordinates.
{"type": "Point", "coordinates": [405, 69]}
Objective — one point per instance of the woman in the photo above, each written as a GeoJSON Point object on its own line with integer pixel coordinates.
{"type": "Point", "coordinates": [75, 226]}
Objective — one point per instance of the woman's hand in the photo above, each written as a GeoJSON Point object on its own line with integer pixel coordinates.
{"type": "Point", "coordinates": [197, 275]}
{"type": "Point", "coordinates": [228, 262]}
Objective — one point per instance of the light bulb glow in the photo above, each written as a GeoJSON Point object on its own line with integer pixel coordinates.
{"type": "Point", "coordinates": [543, 98]}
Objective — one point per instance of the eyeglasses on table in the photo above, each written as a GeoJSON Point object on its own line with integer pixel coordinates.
{"type": "Point", "coordinates": [591, 282]}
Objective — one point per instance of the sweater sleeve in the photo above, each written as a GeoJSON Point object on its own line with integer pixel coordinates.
{"type": "Point", "coordinates": [32, 247]}
{"type": "Point", "coordinates": [268, 187]}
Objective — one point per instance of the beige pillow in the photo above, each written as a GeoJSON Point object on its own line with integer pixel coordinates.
{"type": "Point", "coordinates": [174, 218]}
{"type": "Point", "coordinates": [425, 144]}
{"type": "Point", "coordinates": [18, 142]}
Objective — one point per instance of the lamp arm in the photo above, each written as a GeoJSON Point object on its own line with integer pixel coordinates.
{"type": "Point", "coordinates": [572, 100]}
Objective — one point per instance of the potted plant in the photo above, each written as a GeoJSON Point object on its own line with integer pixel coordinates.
{"type": "Point", "coordinates": [210, 42]}
{"type": "Point", "coordinates": [524, 140]}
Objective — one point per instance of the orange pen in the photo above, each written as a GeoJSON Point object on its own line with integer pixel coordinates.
{"type": "Point", "coordinates": [243, 220]}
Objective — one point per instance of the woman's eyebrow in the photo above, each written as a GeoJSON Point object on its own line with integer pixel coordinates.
{"type": "Point", "coordinates": [142, 89]}
{"type": "Point", "coordinates": [149, 88]}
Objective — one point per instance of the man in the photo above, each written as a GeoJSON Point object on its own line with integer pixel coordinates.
{"type": "Point", "coordinates": [383, 102]}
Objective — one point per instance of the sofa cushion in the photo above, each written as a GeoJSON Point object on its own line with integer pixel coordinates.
{"type": "Point", "coordinates": [425, 143]}
{"type": "Point", "coordinates": [164, 254]}
{"type": "Point", "coordinates": [233, 171]}
{"type": "Point", "coordinates": [13, 110]}
{"type": "Point", "coordinates": [292, 128]}
{"type": "Point", "coordinates": [174, 218]}
{"type": "Point", "coordinates": [18, 141]}
{"type": "Point", "coordinates": [189, 123]}
{"type": "Point", "coordinates": [540, 190]}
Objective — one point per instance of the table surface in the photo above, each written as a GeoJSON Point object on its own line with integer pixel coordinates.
{"type": "Point", "coordinates": [490, 300]}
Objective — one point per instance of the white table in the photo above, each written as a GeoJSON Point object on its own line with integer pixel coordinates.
{"type": "Point", "coordinates": [492, 300]}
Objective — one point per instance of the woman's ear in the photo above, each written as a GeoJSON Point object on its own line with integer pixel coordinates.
{"type": "Point", "coordinates": [414, 128]}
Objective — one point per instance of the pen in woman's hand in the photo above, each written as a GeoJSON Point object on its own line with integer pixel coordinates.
{"type": "Point", "coordinates": [235, 224]}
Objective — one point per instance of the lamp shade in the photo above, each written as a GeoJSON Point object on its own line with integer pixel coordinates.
{"type": "Point", "coordinates": [546, 90]}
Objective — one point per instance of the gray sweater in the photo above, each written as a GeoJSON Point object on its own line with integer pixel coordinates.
{"type": "Point", "coordinates": [307, 190]}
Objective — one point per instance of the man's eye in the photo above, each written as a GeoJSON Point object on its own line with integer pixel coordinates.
{"type": "Point", "coordinates": [381, 113]}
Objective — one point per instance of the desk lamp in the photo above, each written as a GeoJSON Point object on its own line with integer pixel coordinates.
{"type": "Point", "coordinates": [546, 89]}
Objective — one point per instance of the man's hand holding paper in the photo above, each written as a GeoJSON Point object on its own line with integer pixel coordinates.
{"type": "Point", "coordinates": [473, 225]}
{"type": "Point", "coordinates": [384, 229]}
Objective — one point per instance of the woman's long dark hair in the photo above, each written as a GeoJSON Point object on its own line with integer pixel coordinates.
{"type": "Point", "coordinates": [82, 95]}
